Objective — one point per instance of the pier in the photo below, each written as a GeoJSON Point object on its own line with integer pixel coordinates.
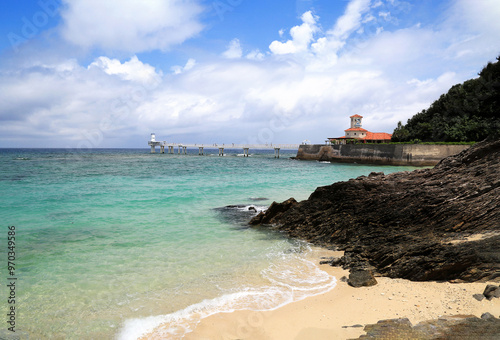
{"type": "Point", "coordinates": [182, 148]}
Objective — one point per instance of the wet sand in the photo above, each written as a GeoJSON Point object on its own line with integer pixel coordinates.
{"type": "Point", "coordinates": [342, 312]}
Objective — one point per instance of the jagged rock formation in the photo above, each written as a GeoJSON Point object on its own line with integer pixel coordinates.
{"type": "Point", "coordinates": [445, 328]}
{"type": "Point", "coordinates": [430, 224]}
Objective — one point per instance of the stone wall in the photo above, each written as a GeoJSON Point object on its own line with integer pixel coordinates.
{"type": "Point", "coordinates": [388, 154]}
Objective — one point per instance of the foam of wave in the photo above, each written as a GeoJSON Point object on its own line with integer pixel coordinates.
{"type": "Point", "coordinates": [291, 278]}
{"type": "Point", "coordinates": [258, 208]}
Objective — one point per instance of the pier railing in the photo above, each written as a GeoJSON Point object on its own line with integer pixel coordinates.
{"type": "Point", "coordinates": [182, 148]}
{"type": "Point", "coordinates": [235, 146]}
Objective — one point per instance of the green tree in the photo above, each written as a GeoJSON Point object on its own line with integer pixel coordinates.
{"type": "Point", "coordinates": [468, 112]}
{"type": "Point", "coordinates": [400, 133]}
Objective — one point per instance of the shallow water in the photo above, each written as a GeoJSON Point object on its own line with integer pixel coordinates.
{"type": "Point", "coordinates": [107, 238]}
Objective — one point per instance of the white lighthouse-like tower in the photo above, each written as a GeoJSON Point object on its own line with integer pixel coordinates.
{"type": "Point", "coordinates": [356, 121]}
{"type": "Point", "coordinates": [153, 143]}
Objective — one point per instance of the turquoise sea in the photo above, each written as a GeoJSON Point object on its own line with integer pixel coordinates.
{"type": "Point", "coordinates": [111, 243]}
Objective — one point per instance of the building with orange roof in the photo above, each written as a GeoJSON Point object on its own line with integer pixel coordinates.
{"type": "Point", "coordinates": [356, 132]}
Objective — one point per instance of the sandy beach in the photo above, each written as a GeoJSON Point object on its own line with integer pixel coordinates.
{"type": "Point", "coordinates": [342, 312]}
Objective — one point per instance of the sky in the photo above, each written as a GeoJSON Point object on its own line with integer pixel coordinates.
{"type": "Point", "coordinates": [108, 73]}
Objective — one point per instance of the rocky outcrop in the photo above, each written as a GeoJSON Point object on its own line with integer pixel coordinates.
{"type": "Point", "coordinates": [445, 328]}
{"type": "Point", "coordinates": [430, 224]}
{"type": "Point", "coordinates": [274, 211]}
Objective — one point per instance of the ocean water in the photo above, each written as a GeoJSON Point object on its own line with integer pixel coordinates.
{"type": "Point", "coordinates": [114, 243]}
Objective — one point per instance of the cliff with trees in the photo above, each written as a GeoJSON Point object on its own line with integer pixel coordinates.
{"type": "Point", "coordinates": [469, 112]}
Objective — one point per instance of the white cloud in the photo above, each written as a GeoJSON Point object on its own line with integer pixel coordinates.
{"type": "Point", "coordinates": [478, 28]}
{"type": "Point", "coordinates": [384, 15]}
{"type": "Point", "coordinates": [482, 16]}
{"type": "Point", "coordinates": [233, 50]}
{"type": "Point", "coordinates": [351, 20]}
{"type": "Point", "coordinates": [255, 55]}
{"type": "Point", "coordinates": [58, 104]}
{"type": "Point", "coordinates": [309, 91]}
{"type": "Point", "coordinates": [326, 48]}
{"type": "Point", "coordinates": [189, 65]}
{"type": "Point", "coordinates": [301, 36]}
{"type": "Point", "coordinates": [133, 69]}
{"type": "Point", "coordinates": [129, 25]}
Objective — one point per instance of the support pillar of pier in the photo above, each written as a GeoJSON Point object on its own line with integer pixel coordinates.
{"type": "Point", "coordinates": [221, 151]}
{"type": "Point", "coordinates": [179, 148]}
{"type": "Point", "coordinates": [245, 152]}
{"type": "Point", "coordinates": [184, 150]}
{"type": "Point", "coordinates": [276, 152]}
{"type": "Point", "coordinates": [153, 149]}
{"type": "Point", "coordinates": [162, 148]}
{"type": "Point", "coordinates": [170, 149]}
{"type": "Point", "coordinates": [200, 150]}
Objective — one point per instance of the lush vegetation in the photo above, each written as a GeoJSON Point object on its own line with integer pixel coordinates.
{"type": "Point", "coordinates": [468, 112]}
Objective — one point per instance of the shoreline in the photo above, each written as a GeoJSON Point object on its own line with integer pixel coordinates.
{"type": "Point", "coordinates": [291, 277]}
{"type": "Point", "coordinates": [342, 312]}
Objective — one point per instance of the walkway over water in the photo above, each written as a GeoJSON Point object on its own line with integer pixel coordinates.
{"type": "Point", "coordinates": [182, 148]}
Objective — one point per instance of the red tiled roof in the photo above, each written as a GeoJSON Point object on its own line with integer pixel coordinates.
{"type": "Point", "coordinates": [369, 136]}
{"type": "Point", "coordinates": [377, 136]}
{"type": "Point", "coordinates": [356, 116]}
{"type": "Point", "coordinates": [357, 129]}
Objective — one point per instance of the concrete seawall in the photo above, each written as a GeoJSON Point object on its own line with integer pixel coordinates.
{"type": "Point", "coordinates": [387, 154]}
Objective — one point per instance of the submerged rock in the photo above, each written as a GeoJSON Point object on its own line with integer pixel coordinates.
{"type": "Point", "coordinates": [428, 224]}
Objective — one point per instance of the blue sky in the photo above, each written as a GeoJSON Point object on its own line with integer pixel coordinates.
{"type": "Point", "coordinates": [95, 73]}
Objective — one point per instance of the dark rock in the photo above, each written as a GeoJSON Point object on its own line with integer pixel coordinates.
{"type": "Point", "coordinates": [257, 219]}
{"type": "Point", "coordinates": [353, 326]}
{"type": "Point", "coordinates": [361, 278]}
{"type": "Point", "coordinates": [337, 262]}
{"type": "Point", "coordinates": [333, 261]}
{"type": "Point", "coordinates": [486, 316]}
{"type": "Point", "coordinates": [413, 225]}
{"type": "Point", "coordinates": [388, 329]}
{"type": "Point", "coordinates": [478, 297]}
{"type": "Point", "coordinates": [459, 327]}
{"type": "Point", "coordinates": [344, 279]}
{"type": "Point", "coordinates": [274, 211]}
{"type": "Point", "coordinates": [252, 208]}
{"type": "Point", "coordinates": [491, 291]}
